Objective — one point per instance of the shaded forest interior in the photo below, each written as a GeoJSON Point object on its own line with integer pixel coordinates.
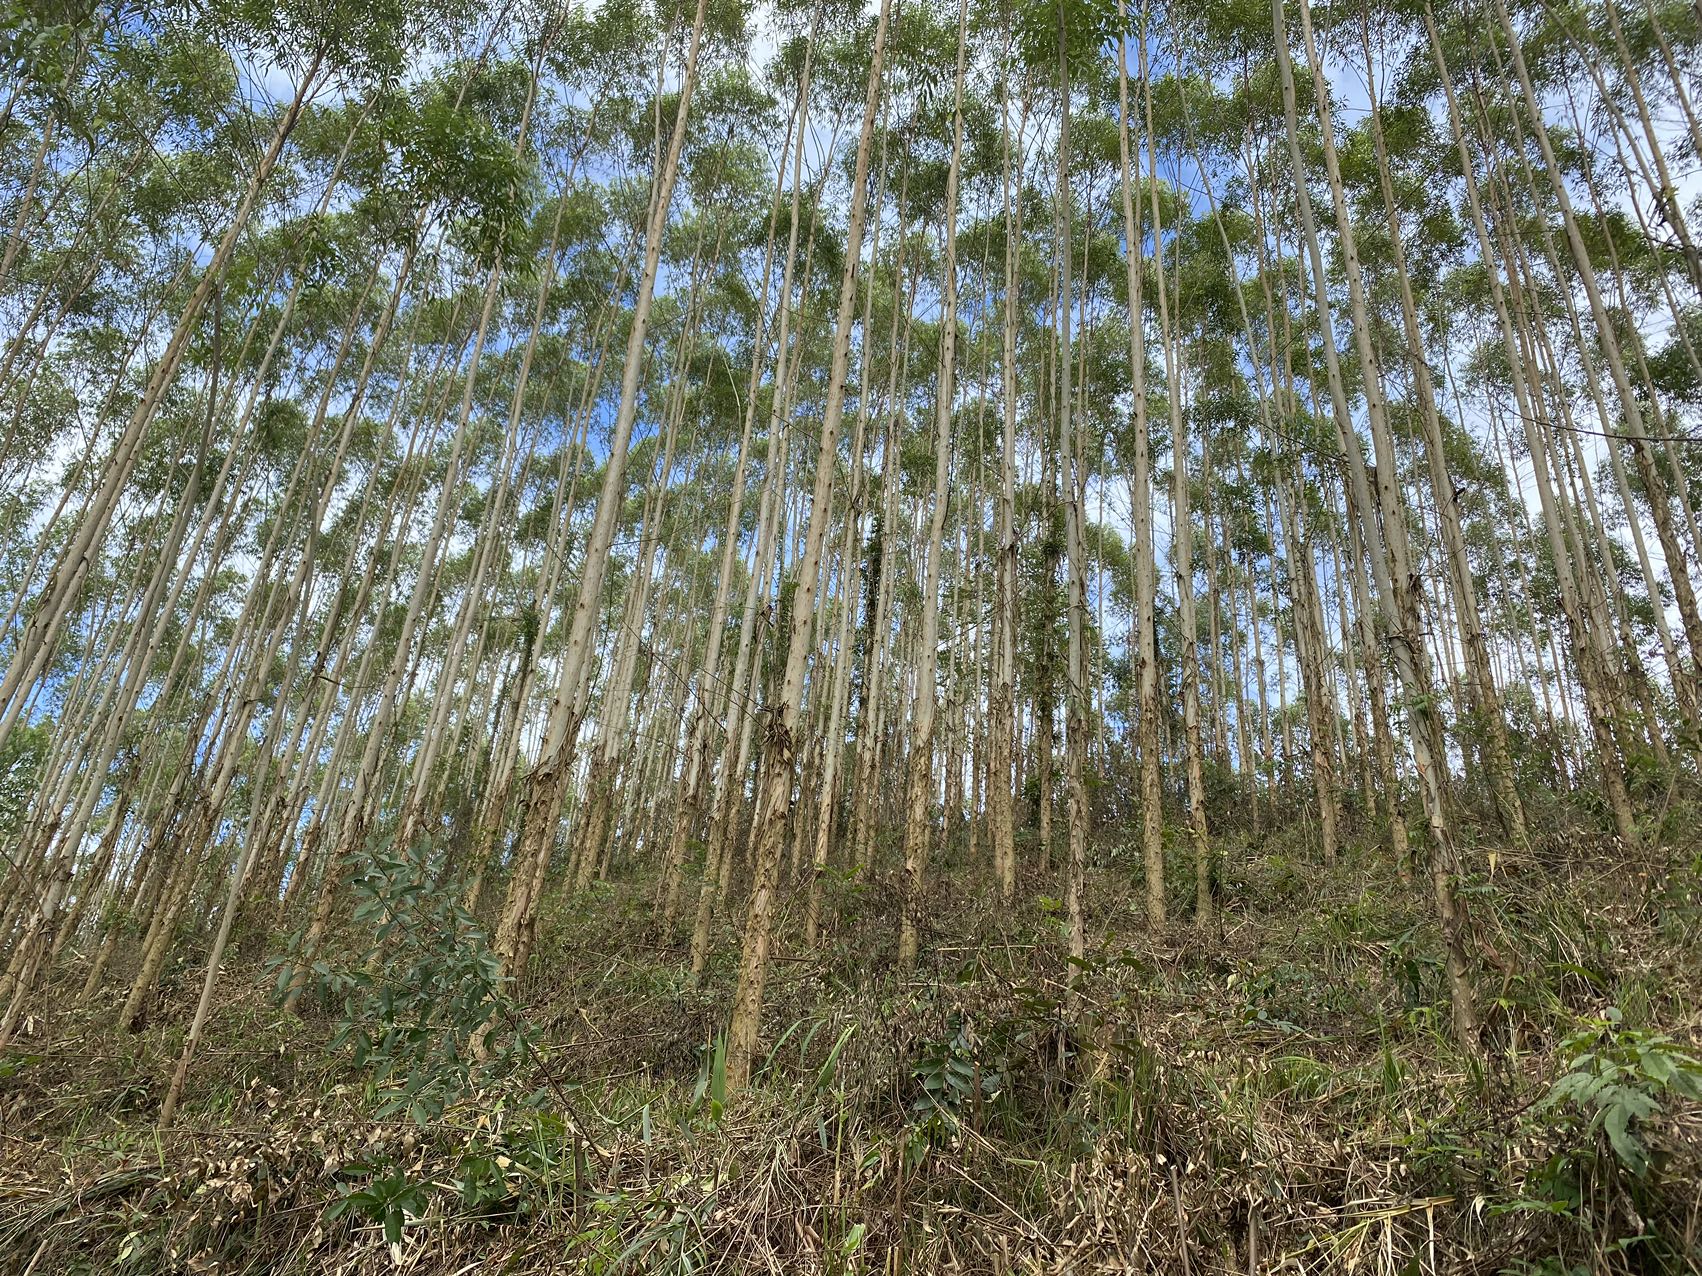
{"type": "Point", "coordinates": [851, 636]}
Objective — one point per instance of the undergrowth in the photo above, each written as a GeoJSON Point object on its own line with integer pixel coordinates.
{"type": "Point", "coordinates": [1278, 1093]}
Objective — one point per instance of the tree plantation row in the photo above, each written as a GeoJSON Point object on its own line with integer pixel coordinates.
{"type": "Point", "coordinates": [741, 451]}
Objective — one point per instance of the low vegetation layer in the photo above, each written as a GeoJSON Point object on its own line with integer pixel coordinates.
{"type": "Point", "coordinates": [1280, 1094]}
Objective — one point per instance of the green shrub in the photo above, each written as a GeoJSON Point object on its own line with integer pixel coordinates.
{"type": "Point", "coordinates": [425, 1011]}
{"type": "Point", "coordinates": [1615, 1080]}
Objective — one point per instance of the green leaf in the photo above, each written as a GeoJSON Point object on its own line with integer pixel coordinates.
{"type": "Point", "coordinates": [831, 1063]}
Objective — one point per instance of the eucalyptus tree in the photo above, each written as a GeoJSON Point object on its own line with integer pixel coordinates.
{"type": "Point", "coordinates": [1001, 696]}
{"type": "Point", "coordinates": [1071, 30]}
{"type": "Point", "coordinates": [1484, 694]}
{"type": "Point", "coordinates": [452, 452]}
{"type": "Point", "coordinates": [359, 811]}
{"type": "Point", "coordinates": [738, 705]}
{"type": "Point", "coordinates": [350, 45]}
{"type": "Point", "coordinates": [1386, 545]}
{"type": "Point", "coordinates": [547, 786]}
{"type": "Point", "coordinates": [1593, 662]}
{"type": "Point", "coordinates": [1181, 517]}
{"type": "Point", "coordinates": [697, 765]}
{"type": "Point", "coordinates": [774, 791]}
{"type": "Point", "coordinates": [920, 784]}
{"type": "Point", "coordinates": [1145, 591]}
{"type": "Point", "coordinates": [1606, 331]}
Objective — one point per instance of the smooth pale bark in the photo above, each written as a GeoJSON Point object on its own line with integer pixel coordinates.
{"type": "Point", "coordinates": [739, 709]}
{"type": "Point", "coordinates": [1389, 560]}
{"type": "Point", "coordinates": [850, 565]}
{"type": "Point", "coordinates": [1586, 638]}
{"type": "Point", "coordinates": [35, 643]}
{"type": "Point", "coordinates": [613, 725]}
{"type": "Point", "coordinates": [1491, 718]}
{"type": "Point", "coordinates": [917, 833]}
{"type": "Point", "coordinates": [1606, 333]}
{"type": "Point", "coordinates": [688, 807]}
{"type": "Point", "coordinates": [491, 537]}
{"type": "Point", "coordinates": [358, 812]}
{"type": "Point", "coordinates": [1146, 572]}
{"type": "Point", "coordinates": [775, 788]}
{"type": "Point", "coordinates": [1305, 605]}
{"type": "Point", "coordinates": [1074, 477]}
{"type": "Point", "coordinates": [552, 771]}
{"type": "Point", "coordinates": [26, 203]}
{"type": "Point", "coordinates": [1679, 677]}
{"type": "Point", "coordinates": [499, 789]}
{"type": "Point", "coordinates": [48, 838]}
{"type": "Point", "coordinates": [1181, 542]}
{"type": "Point", "coordinates": [873, 709]}
{"type": "Point", "coordinates": [745, 693]}
{"type": "Point", "coordinates": [228, 737]}
{"type": "Point", "coordinates": [1322, 770]}
{"type": "Point", "coordinates": [1001, 707]}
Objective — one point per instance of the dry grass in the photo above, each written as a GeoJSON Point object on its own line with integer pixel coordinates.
{"type": "Point", "coordinates": [1277, 1095]}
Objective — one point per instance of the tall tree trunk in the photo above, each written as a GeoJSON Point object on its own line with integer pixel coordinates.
{"type": "Point", "coordinates": [551, 773]}
{"type": "Point", "coordinates": [1389, 561]}
{"type": "Point", "coordinates": [775, 788]}
{"type": "Point", "coordinates": [919, 790]}
{"type": "Point", "coordinates": [1181, 542]}
{"type": "Point", "coordinates": [1146, 571]}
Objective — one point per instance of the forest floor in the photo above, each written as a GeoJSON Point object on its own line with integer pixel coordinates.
{"type": "Point", "coordinates": [1276, 1093]}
